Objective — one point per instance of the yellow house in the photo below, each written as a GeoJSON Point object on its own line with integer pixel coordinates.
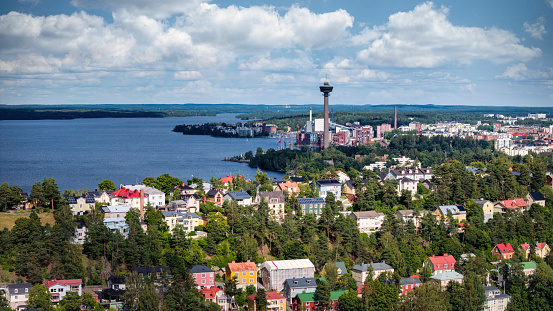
{"type": "Point", "coordinates": [244, 272]}
{"type": "Point", "coordinates": [275, 302]}
{"type": "Point", "coordinates": [542, 249]}
{"type": "Point", "coordinates": [458, 212]}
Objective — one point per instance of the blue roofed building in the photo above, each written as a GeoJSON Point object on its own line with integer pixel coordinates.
{"type": "Point", "coordinates": [81, 205]}
{"type": "Point", "coordinates": [295, 286]}
{"type": "Point", "coordinates": [458, 212]}
{"type": "Point", "coordinates": [311, 205]}
{"type": "Point", "coordinates": [242, 198]}
{"type": "Point", "coordinates": [326, 186]}
{"type": "Point", "coordinates": [117, 224]}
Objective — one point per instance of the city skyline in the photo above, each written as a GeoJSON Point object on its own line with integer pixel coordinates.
{"type": "Point", "coordinates": [249, 52]}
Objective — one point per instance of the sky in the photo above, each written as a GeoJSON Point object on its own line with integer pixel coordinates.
{"type": "Point", "coordinates": [456, 52]}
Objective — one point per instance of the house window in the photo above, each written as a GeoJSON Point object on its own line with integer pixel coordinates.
{"type": "Point", "coordinates": [26, 290]}
{"type": "Point", "coordinates": [203, 281]}
{"type": "Point", "coordinates": [15, 291]}
{"type": "Point", "coordinates": [243, 280]}
{"type": "Point", "coordinates": [203, 275]}
{"type": "Point", "coordinates": [251, 280]}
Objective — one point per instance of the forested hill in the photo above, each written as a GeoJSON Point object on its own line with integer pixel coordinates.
{"type": "Point", "coordinates": [429, 151]}
{"type": "Point", "coordinates": [263, 112]}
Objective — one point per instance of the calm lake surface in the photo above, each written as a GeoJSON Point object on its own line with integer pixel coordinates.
{"type": "Point", "coordinates": [81, 153]}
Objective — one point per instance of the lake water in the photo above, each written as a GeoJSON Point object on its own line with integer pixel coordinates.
{"type": "Point", "coordinates": [81, 153]}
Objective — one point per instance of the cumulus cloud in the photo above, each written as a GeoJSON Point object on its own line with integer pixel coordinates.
{"type": "Point", "coordinates": [262, 28]}
{"type": "Point", "coordinates": [425, 38]}
{"type": "Point", "coordinates": [343, 70]}
{"type": "Point", "coordinates": [366, 36]}
{"type": "Point", "coordinates": [550, 2]}
{"type": "Point", "coordinates": [301, 63]}
{"type": "Point", "coordinates": [521, 72]}
{"type": "Point", "coordinates": [159, 9]}
{"type": "Point", "coordinates": [536, 30]}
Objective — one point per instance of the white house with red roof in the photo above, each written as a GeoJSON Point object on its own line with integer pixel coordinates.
{"type": "Point", "coordinates": [441, 264]}
{"type": "Point", "coordinates": [512, 205]}
{"type": "Point", "coordinates": [503, 250]}
{"type": "Point", "coordinates": [59, 288]}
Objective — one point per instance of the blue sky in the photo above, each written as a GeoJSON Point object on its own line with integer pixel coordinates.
{"type": "Point", "coordinates": [257, 52]}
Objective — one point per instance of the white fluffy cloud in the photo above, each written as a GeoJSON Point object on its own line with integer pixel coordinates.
{"type": "Point", "coordinates": [187, 75]}
{"type": "Point", "coordinates": [159, 9]}
{"type": "Point", "coordinates": [521, 72]}
{"type": "Point", "coordinates": [536, 30]}
{"type": "Point", "coordinates": [550, 2]}
{"type": "Point", "coordinates": [262, 28]}
{"type": "Point", "coordinates": [425, 38]}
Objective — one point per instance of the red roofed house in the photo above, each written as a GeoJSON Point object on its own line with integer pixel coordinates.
{"type": "Point", "coordinates": [59, 288]}
{"type": "Point", "coordinates": [441, 264]}
{"type": "Point", "coordinates": [291, 187]}
{"type": "Point", "coordinates": [516, 204]}
{"type": "Point", "coordinates": [409, 284]}
{"type": "Point", "coordinates": [504, 250]}
{"type": "Point", "coordinates": [275, 302]}
{"type": "Point", "coordinates": [541, 249]}
{"type": "Point", "coordinates": [228, 179]}
{"type": "Point", "coordinates": [210, 294]}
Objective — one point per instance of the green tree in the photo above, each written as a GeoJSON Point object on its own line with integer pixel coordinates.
{"type": "Point", "coordinates": [39, 298]}
{"type": "Point", "coordinates": [350, 302]}
{"type": "Point", "coordinates": [37, 194]}
{"type": "Point", "coordinates": [4, 305]}
{"type": "Point", "coordinates": [51, 192]}
{"type": "Point", "coordinates": [331, 273]}
{"type": "Point", "coordinates": [474, 295]}
{"type": "Point", "coordinates": [148, 298]}
{"type": "Point", "coordinates": [107, 185]}
{"type": "Point", "coordinates": [71, 302]}
{"type": "Point", "coordinates": [322, 294]}
{"type": "Point", "coordinates": [261, 299]}
{"type": "Point", "coordinates": [426, 297]}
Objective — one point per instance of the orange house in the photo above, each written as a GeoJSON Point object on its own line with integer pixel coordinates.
{"type": "Point", "coordinates": [504, 250]}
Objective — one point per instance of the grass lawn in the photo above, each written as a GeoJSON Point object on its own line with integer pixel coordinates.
{"type": "Point", "coordinates": [7, 220]}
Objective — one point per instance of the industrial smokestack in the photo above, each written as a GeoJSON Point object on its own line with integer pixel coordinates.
{"type": "Point", "coordinates": [310, 115]}
{"type": "Point", "coordinates": [395, 117]}
{"type": "Point", "coordinates": [141, 203]}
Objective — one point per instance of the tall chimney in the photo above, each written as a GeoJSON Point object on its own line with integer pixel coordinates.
{"type": "Point", "coordinates": [141, 203]}
{"type": "Point", "coordinates": [310, 115]}
{"type": "Point", "coordinates": [395, 117]}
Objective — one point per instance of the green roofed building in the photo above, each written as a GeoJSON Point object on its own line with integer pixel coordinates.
{"type": "Point", "coordinates": [528, 267]}
{"type": "Point", "coordinates": [307, 300]}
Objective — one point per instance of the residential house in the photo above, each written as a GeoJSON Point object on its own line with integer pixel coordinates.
{"type": "Point", "coordinates": [487, 207]}
{"type": "Point", "coordinates": [185, 189]}
{"type": "Point", "coordinates": [276, 202]}
{"type": "Point", "coordinates": [210, 294]}
{"type": "Point", "coordinates": [117, 224]}
{"type": "Point", "coordinates": [441, 264]}
{"type": "Point", "coordinates": [311, 205]}
{"type": "Point", "coordinates": [360, 272]}
{"type": "Point", "coordinates": [299, 179]}
{"type": "Point", "coordinates": [112, 297]}
{"type": "Point", "coordinates": [417, 174]}
{"type": "Point", "coordinates": [159, 272]}
{"type": "Point", "coordinates": [535, 198]}
{"type": "Point", "coordinates": [406, 215]}
{"type": "Point", "coordinates": [189, 203]}
{"type": "Point", "coordinates": [542, 250]}
{"type": "Point", "coordinates": [244, 272]}
{"type": "Point", "coordinates": [81, 205]}
{"type": "Point", "coordinates": [408, 184]}
{"type": "Point", "coordinates": [275, 302]}
{"type": "Point", "coordinates": [189, 221]}
{"type": "Point", "coordinates": [274, 273]}
{"type": "Point", "coordinates": [204, 276]}
{"type": "Point", "coordinates": [59, 288]}
{"type": "Point", "coordinates": [349, 187]}
{"type": "Point", "coordinates": [340, 266]}
{"type": "Point", "coordinates": [341, 176]}
{"type": "Point", "coordinates": [80, 232]}
{"type": "Point", "coordinates": [444, 278]}
{"type": "Point", "coordinates": [290, 187]}
{"type": "Point", "coordinates": [528, 268]}
{"type": "Point", "coordinates": [495, 299]}
{"type": "Point", "coordinates": [99, 196]}
{"type": "Point", "coordinates": [368, 221]}
{"type": "Point", "coordinates": [241, 198]}
{"type": "Point", "coordinates": [503, 250]}
{"type": "Point", "coordinates": [215, 196]}
{"type": "Point", "coordinates": [307, 301]}
{"type": "Point", "coordinates": [409, 284]}
{"type": "Point", "coordinates": [295, 286]}
{"type": "Point", "coordinates": [326, 186]}
{"type": "Point", "coordinates": [115, 211]}
{"type": "Point", "coordinates": [17, 295]}
{"type": "Point", "coordinates": [153, 196]}
{"type": "Point", "coordinates": [458, 212]}
{"type": "Point", "coordinates": [510, 205]}
{"type": "Point", "coordinates": [226, 302]}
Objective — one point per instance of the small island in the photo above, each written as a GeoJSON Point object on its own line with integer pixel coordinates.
{"type": "Point", "coordinates": [239, 130]}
